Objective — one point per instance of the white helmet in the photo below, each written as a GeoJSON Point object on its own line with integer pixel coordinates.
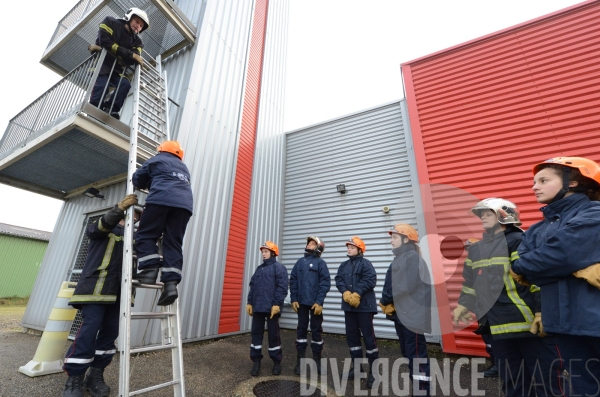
{"type": "Point", "coordinates": [138, 13]}
{"type": "Point", "coordinates": [506, 211]}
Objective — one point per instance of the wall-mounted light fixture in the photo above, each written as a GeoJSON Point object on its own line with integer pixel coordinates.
{"type": "Point", "coordinates": [341, 188]}
{"type": "Point", "coordinates": [93, 192]}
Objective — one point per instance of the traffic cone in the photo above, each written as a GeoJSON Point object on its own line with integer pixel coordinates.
{"type": "Point", "coordinates": [48, 358]}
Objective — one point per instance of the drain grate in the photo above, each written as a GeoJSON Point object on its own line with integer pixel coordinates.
{"type": "Point", "coordinates": [278, 388]}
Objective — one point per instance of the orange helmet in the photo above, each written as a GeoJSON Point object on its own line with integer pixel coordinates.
{"type": "Point", "coordinates": [405, 230]}
{"type": "Point", "coordinates": [588, 168]}
{"type": "Point", "coordinates": [358, 243]}
{"type": "Point", "coordinates": [172, 147]}
{"type": "Point", "coordinates": [271, 246]}
{"type": "Point", "coordinates": [320, 244]}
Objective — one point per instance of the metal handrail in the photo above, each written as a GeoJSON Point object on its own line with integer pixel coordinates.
{"type": "Point", "coordinates": [69, 95]}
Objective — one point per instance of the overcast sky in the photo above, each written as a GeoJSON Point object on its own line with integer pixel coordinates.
{"type": "Point", "coordinates": [343, 56]}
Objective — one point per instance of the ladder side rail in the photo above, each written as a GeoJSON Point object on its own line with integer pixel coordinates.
{"type": "Point", "coordinates": [177, 352]}
{"type": "Point", "coordinates": [126, 287]}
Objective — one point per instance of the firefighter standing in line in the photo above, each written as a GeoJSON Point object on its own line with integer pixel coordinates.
{"type": "Point", "coordinates": [561, 255]}
{"type": "Point", "coordinates": [268, 289]}
{"type": "Point", "coordinates": [120, 38]}
{"type": "Point", "coordinates": [406, 300]}
{"type": "Point", "coordinates": [356, 279]}
{"type": "Point", "coordinates": [504, 309]}
{"type": "Point", "coordinates": [492, 370]}
{"type": "Point", "coordinates": [309, 283]}
{"type": "Point", "coordinates": [168, 209]}
{"type": "Point", "coordinates": [97, 296]}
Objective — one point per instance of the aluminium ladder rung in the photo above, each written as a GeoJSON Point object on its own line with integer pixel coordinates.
{"type": "Point", "coordinates": [152, 348]}
{"type": "Point", "coordinates": [137, 284]}
{"type": "Point", "coordinates": [151, 315]}
{"type": "Point", "coordinates": [156, 387]}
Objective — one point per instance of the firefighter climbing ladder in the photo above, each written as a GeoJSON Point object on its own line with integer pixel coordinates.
{"type": "Point", "coordinates": [149, 127]}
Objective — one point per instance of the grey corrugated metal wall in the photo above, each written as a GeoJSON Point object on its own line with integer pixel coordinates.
{"type": "Point", "coordinates": [207, 81]}
{"type": "Point", "coordinates": [370, 153]}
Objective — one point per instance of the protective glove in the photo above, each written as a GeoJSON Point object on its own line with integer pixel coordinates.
{"type": "Point", "coordinates": [295, 306]}
{"type": "Point", "coordinates": [274, 310]}
{"type": "Point", "coordinates": [346, 296]}
{"type": "Point", "coordinates": [591, 274]}
{"type": "Point", "coordinates": [93, 48]}
{"type": "Point", "coordinates": [537, 328]}
{"type": "Point", "coordinates": [128, 201]}
{"type": "Point", "coordinates": [462, 313]}
{"type": "Point", "coordinates": [382, 306]}
{"type": "Point", "coordinates": [354, 300]}
{"type": "Point", "coordinates": [137, 58]}
{"type": "Point", "coordinates": [519, 278]}
{"type": "Point", "coordinates": [249, 310]}
{"type": "Point", "coordinates": [317, 308]}
{"type": "Point", "coordinates": [389, 309]}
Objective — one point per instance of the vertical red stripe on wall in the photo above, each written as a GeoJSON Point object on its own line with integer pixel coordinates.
{"type": "Point", "coordinates": [231, 297]}
{"type": "Point", "coordinates": [484, 112]}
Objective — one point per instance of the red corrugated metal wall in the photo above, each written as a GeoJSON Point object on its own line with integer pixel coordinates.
{"type": "Point", "coordinates": [229, 320]}
{"type": "Point", "coordinates": [484, 112]}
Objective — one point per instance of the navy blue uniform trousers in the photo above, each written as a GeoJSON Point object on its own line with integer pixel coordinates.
{"type": "Point", "coordinates": [529, 365]}
{"type": "Point", "coordinates": [358, 323]}
{"type": "Point", "coordinates": [119, 95]}
{"type": "Point", "coordinates": [170, 222]}
{"type": "Point", "coordinates": [413, 345]}
{"type": "Point", "coordinates": [258, 331]}
{"type": "Point", "coordinates": [94, 344]}
{"type": "Point", "coordinates": [582, 361]}
{"type": "Point", "coordinates": [316, 321]}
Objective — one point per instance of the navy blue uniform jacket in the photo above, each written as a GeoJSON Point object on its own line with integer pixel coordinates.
{"type": "Point", "coordinates": [100, 280]}
{"type": "Point", "coordinates": [268, 286]}
{"type": "Point", "coordinates": [408, 286]}
{"type": "Point", "coordinates": [310, 280]}
{"type": "Point", "coordinates": [358, 275]}
{"type": "Point", "coordinates": [168, 180]}
{"type": "Point", "coordinates": [567, 240]}
{"type": "Point", "coordinates": [122, 44]}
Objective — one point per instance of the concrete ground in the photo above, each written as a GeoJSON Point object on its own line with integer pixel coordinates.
{"type": "Point", "coordinates": [217, 367]}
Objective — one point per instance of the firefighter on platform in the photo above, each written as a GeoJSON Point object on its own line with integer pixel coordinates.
{"type": "Point", "coordinates": [168, 209]}
{"type": "Point", "coordinates": [356, 279]}
{"type": "Point", "coordinates": [309, 283]}
{"type": "Point", "coordinates": [97, 296]}
{"type": "Point", "coordinates": [506, 310]}
{"type": "Point", "coordinates": [561, 255]}
{"type": "Point", "coordinates": [120, 37]}
{"type": "Point", "coordinates": [268, 289]}
{"type": "Point", "coordinates": [406, 300]}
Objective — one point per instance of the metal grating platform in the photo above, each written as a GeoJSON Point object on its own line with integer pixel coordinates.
{"type": "Point", "coordinates": [170, 30]}
{"type": "Point", "coordinates": [278, 388]}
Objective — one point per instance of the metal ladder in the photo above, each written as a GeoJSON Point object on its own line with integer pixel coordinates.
{"type": "Point", "coordinates": [149, 128]}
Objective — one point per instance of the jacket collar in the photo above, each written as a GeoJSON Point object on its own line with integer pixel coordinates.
{"type": "Point", "coordinates": [564, 205]}
{"type": "Point", "coordinates": [355, 257]}
{"type": "Point", "coordinates": [269, 261]}
{"type": "Point", "coordinates": [403, 248]}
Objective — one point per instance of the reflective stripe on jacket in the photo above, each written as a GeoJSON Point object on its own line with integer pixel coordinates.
{"type": "Point", "coordinates": [489, 290]}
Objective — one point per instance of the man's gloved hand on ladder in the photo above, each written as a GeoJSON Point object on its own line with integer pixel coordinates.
{"type": "Point", "coordinates": [128, 201]}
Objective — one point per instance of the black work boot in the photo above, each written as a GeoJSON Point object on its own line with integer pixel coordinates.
{"type": "Point", "coordinates": [317, 358]}
{"type": "Point", "coordinates": [94, 382]}
{"type": "Point", "coordinates": [491, 372]}
{"type": "Point", "coordinates": [350, 373]}
{"type": "Point", "coordinates": [297, 368]}
{"type": "Point", "coordinates": [115, 115]}
{"type": "Point", "coordinates": [371, 378]}
{"type": "Point", "coordinates": [255, 369]}
{"type": "Point", "coordinates": [73, 387]}
{"type": "Point", "coordinates": [276, 368]}
{"type": "Point", "coordinates": [146, 276]}
{"type": "Point", "coordinates": [169, 293]}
